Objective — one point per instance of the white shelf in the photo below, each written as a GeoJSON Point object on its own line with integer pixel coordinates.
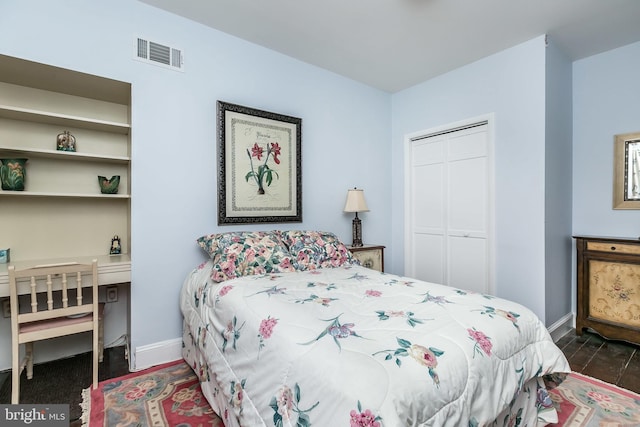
{"type": "Point", "coordinates": [47, 117]}
{"type": "Point", "coordinates": [65, 155]}
{"type": "Point", "coordinates": [4, 193]}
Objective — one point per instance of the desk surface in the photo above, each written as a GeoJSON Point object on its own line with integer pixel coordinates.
{"type": "Point", "coordinates": [112, 269]}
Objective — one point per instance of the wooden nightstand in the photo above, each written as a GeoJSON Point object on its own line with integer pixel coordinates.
{"type": "Point", "coordinates": [370, 256]}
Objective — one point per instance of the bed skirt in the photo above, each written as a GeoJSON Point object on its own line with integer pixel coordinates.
{"type": "Point", "coordinates": [220, 396]}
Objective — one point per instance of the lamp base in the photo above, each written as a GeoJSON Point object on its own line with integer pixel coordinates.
{"type": "Point", "coordinates": [357, 232]}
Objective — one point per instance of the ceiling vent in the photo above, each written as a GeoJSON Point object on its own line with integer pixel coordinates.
{"type": "Point", "coordinates": [159, 54]}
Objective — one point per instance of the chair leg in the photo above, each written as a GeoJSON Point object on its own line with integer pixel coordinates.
{"type": "Point", "coordinates": [15, 371]}
{"type": "Point", "coordinates": [95, 355]}
{"type": "Point", "coordinates": [29, 357]}
{"type": "Point", "coordinates": [101, 340]}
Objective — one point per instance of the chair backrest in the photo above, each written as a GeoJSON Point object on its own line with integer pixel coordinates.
{"type": "Point", "coordinates": [57, 282]}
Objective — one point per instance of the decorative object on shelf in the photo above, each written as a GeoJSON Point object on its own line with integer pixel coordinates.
{"type": "Point", "coordinates": [5, 256]}
{"type": "Point", "coordinates": [116, 248]}
{"type": "Point", "coordinates": [356, 203]}
{"type": "Point", "coordinates": [13, 174]}
{"type": "Point", "coordinates": [109, 186]}
{"type": "Point", "coordinates": [259, 166]}
{"type": "Point", "coordinates": [66, 142]}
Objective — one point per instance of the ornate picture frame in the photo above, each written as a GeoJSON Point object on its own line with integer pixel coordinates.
{"type": "Point", "coordinates": [259, 166]}
{"type": "Point", "coordinates": [626, 171]}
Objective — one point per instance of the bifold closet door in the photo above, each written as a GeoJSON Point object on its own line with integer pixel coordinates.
{"type": "Point", "coordinates": [448, 209]}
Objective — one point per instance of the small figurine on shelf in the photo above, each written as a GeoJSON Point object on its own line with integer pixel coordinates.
{"type": "Point", "coordinates": [115, 246]}
{"type": "Point", "coordinates": [5, 256]}
{"type": "Point", "coordinates": [66, 142]}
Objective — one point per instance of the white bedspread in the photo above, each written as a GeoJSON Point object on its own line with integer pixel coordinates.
{"type": "Point", "coordinates": [350, 345]}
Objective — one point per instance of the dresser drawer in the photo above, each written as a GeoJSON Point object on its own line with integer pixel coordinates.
{"type": "Point", "coordinates": [613, 247]}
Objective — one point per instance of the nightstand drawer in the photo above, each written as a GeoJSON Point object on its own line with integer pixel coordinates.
{"type": "Point", "coordinates": [370, 256]}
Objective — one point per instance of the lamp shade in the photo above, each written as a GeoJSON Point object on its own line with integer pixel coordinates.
{"type": "Point", "coordinates": [355, 201]}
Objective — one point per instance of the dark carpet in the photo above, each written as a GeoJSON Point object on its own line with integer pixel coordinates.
{"type": "Point", "coordinates": [62, 381]}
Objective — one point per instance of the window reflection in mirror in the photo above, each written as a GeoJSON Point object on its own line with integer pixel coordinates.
{"type": "Point", "coordinates": [632, 170]}
{"type": "Point", "coordinates": [626, 171]}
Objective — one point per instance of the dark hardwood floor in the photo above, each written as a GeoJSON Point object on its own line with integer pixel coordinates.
{"type": "Point", "coordinates": [615, 362]}
{"type": "Point", "coordinates": [62, 381]}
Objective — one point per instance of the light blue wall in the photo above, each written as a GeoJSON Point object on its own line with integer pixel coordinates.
{"type": "Point", "coordinates": [606, 90]}
{"type": "Point", "coordinates": [345, 133]}
{"type": "Point", "coordinates": [510, 84]}
{"type": "Point", "coordinates": [558, 185]}
{"type": "Point", "coordinates": [353, 135]}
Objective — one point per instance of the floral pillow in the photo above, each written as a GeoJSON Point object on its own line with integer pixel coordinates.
{"type": "Point", "coordinates": [316, 249]}
{"type": "Point", "coordinates": [245, 253]}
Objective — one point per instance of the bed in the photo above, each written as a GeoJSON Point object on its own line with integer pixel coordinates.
{"type": "Point", "coordinates": [284, 328]}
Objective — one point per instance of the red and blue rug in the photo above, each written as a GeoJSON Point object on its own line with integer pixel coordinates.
{"type": "Point", "coordinates": [170, 395]}
{"type": "Point", "coordinates": [165, 395]}
{"type": "Point", "coordinates": [582, 401]}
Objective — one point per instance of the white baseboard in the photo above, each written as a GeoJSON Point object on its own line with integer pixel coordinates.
{"type": "Point", "coordinates": [562, 326]}
{"type": "Point", "coordinates": [158, 353]}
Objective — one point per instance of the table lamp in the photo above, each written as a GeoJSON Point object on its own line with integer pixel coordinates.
{"type": "Point", "coordinates": [356, 203]}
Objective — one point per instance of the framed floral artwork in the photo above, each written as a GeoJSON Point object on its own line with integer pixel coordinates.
{"type": "Point", "coordinates": [259, 166]}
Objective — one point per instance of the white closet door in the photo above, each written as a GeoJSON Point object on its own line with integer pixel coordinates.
{"type": "Point", "coordinates": [448, 230]}
{"type": "Point", "coordinates": [429, 203]}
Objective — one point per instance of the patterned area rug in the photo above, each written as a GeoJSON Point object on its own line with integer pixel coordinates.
{"type": "Point", "coordinates": [165, 395]}
{"type": "Point", "coordinates": [583, 401]}
{"type": "Point", "coordinates": [170, 395]}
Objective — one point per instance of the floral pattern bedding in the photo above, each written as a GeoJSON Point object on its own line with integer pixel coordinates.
{"type": "Point", "coordinates": [350, 346]}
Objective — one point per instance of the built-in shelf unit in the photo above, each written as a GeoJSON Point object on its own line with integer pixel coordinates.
{"type": "Point", "coordinates": [61, 213]}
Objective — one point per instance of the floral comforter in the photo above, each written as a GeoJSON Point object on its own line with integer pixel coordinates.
{"type": "Point", "coordinates": [352, 346]}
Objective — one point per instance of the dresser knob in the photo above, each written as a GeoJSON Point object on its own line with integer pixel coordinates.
{"type": "Point", "coordinates": [613, 248]}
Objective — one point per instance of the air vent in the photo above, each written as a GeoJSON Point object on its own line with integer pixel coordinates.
{"type": "Point", "coordinates": [159, 54]}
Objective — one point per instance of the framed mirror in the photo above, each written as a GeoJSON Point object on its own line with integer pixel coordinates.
{"type": "Point", "coordinates": [626, 169]}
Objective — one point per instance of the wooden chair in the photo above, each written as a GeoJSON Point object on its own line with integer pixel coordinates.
{"type": "Point", "coordinates": [58, 317]}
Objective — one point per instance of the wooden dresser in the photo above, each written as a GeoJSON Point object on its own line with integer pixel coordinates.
{"type": "Point", "coordinates": [608, 283]}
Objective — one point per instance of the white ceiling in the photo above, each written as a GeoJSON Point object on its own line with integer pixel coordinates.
{"type": "Point", "coordinates": [395, 44]}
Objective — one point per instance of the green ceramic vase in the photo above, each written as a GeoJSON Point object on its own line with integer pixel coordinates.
{"type": "Point", "coordinates": [13, 174]}
{"type": "Point", "coordinates": [109, 186]}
